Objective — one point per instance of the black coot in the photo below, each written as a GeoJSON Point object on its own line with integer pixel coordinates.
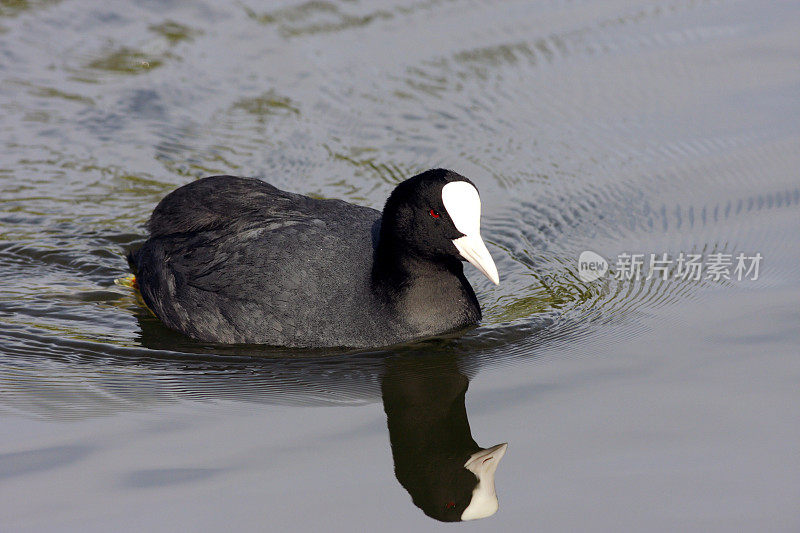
{"type": "Point", "coordinates": [236, 260]}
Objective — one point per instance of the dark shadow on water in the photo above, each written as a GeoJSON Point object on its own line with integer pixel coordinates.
{"type": "Point", "coordinates": [423, 398]}
{"type": "Point", "coordinates": [163, 477]}
{"type": "Point", "coordinates": [422, 387]}
{"type": "Point", "coordinates": [40, 460]}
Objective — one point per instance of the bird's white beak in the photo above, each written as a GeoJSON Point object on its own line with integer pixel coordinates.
{"type": "Point", "coordinates": [463, 204]}
{"type": "Point", "coordinates": [483, 464]}
{"type": "Point", "coordinates": [472, 248]}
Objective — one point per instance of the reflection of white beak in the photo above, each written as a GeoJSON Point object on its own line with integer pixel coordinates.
{"type": "Point", "coordinates": [483, 464]}
{"type": "Point", "coordinates": [463, 204]}
{"type": "Point", "coordinates": [472, 249]}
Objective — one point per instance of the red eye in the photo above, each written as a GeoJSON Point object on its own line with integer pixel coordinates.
{"type": "Point", "coordinates": [434, 214]}
{"type": "Point", "coordinates": [450, 505]}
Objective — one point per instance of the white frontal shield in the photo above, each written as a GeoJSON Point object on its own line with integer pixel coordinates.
{"type": "Point", "coordinates": [463, 204]}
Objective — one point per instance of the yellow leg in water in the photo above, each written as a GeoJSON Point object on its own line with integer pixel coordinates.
{"type": "Point", "coordinates": [127, 281]}
{"type": "Point", "coordinates": [130, 282]}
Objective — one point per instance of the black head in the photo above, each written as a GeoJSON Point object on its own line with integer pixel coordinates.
{"type": "Point", "coordinates": [416, 218]}
{"type": "Point", "coordinates": [436, 216]}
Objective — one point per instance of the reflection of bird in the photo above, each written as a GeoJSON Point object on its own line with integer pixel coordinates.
{"type": "Point", "coordinates": [236, 260]}
{"type": "Point", "coordinates": [436, 459]}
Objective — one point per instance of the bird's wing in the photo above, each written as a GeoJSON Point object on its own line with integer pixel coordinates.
{"type": "Point", "coordinates": [217, 201]}
{"type": "Point", "coordinates": [265, 277]}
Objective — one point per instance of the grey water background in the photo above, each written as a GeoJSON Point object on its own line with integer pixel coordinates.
{"type": "Point", "coordinates": [617, 126]}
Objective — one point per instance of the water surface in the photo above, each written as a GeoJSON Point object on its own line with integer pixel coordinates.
{"type": "Point", "coordinates": [617, 126]}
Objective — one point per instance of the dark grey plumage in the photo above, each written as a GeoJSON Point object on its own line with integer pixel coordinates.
{"type": "Point", "coordinates": [236, 260]}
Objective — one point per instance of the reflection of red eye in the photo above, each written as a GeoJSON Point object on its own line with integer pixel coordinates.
{"type": "Point", "coordinates": [450, 505]}
{"type": "Point", "coordinates": [434, 214]}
